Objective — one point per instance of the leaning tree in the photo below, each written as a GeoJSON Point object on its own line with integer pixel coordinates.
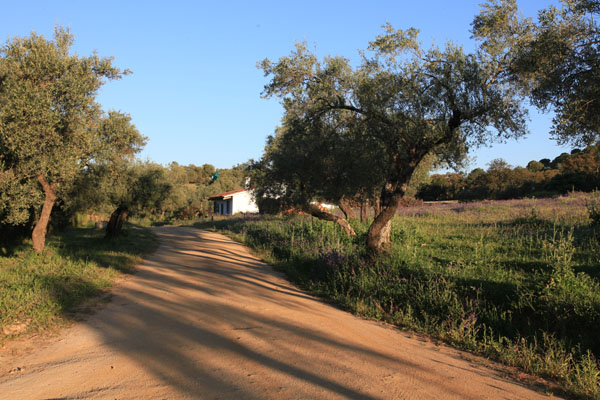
{"type": "Point", "coordinates": [408, 101]}
{"type": "Point", "coordinates": [48, 124]}
{"type": "Point", "coordinates": [308, 161]}
{"type": "Point", "coordinates": [142, 188]}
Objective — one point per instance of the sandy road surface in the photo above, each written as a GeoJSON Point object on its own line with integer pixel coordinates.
{"type": "Point", "coordinates": [205, 319]}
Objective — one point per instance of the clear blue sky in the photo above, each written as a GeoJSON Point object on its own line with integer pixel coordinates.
{"type": "Point", "coordinates": [195, 89]}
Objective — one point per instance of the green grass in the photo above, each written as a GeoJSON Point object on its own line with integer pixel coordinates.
{"type": "Point", "coordinates": [38, 291]}
{"type": "Point", "coordinates": [517, 280]}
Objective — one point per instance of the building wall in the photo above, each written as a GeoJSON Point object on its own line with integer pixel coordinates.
{"type": "Point", "coordinates": [243, 202]}
{"type": "Point", "coordinates": [237, 203]}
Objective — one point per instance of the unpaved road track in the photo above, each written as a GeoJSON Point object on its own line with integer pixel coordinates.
{"type": "Point", "coordinates": [204, 319]}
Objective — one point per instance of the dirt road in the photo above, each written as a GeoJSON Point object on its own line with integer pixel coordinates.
{"type": "Point", "coordinates": [204, 319]}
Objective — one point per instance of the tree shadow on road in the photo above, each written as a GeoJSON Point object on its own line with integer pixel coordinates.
{"type": "Point", "coordinates": [202, 321]}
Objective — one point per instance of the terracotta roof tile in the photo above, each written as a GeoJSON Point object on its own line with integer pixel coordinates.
{"type": "Point", "coordinates": [225, 194]}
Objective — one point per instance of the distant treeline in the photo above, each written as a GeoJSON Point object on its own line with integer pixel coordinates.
{"type": "Point", "coordinates": [147, 190]}
{"type": "Point", "coordinates": [579, 171]}
{"type": "Point", "coordinates": [182, 191]}
{"type": "Point", "coordinates": [191, 186]}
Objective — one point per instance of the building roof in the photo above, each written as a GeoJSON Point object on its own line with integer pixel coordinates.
{"type": "Point", "coordinates": [224, 195]}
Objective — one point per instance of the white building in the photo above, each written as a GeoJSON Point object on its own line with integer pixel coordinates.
{"type": "Point", "coordinates": [233, 202]}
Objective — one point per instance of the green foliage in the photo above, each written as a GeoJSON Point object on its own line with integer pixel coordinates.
{"type": "Point", "coordinates": [593, 207]}
{"type": "Point", "coordinates": [158, 194]}
{"type": "Point", "coordinates": [138, 187]}
{"type": "Point", "coordinates": [52, 129]}
{"type": "Point", "coordinates": [48, 119]}
{"type": "Point", "coordinates": [148, 189]}
{"type": "Point", "coordinates": [306, 161]}
{"type": "Point", "coordinates": [513, 280]}
{"type": "Point", "coordinates": [441, 187]}
{"type": "Point", "coordinates": [119, 140]}
{"type": "Point", "coordinates": [578, 171]}
{"type": "Point", "coordinates": [352, 132]}
{"type": "Point", "coordinates": [554, 60]}
{"type": "Point", "coordinates": [109, 174]}
{"type": "Point", "coordinates": [581, 171]}
{"type": "Point", "coordinates": [535, 166]}
{"type": "Point", "coordinates": [37, 291]}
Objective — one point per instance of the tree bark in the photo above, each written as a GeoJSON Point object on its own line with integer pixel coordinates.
{"type": "Point", "coordinates": [376, 206]}
{"type": "Point", "coordinates": [113, 229]}
{"type": "Point", "coordinates": [378, 235]}
{"type": "Point", "coordinates": [364, 211]}
{"type": "Point", "coordinates": [346, 208]}
{"type": "Point", "coordinates": [317, 212]}
{"type": "Point", "coordinates": [41, 227]}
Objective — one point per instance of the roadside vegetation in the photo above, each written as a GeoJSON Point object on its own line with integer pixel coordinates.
{"type": "Point", "coordinates": [515, 280]}
{"type": "Point", "coordinates": [62, 155]}
{"type": "Point", "coordinates": [66, 162]}
{"type": "Point", "coordinates": [40, 291]}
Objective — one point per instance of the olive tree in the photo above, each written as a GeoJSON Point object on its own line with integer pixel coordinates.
{"type": "Point", "coordinates": [554, 60]}
{"type": "Point", "coordinates": [108, 177]}
{"type": "Point", "coordinates": [48, 123]}
{"type": "Point", "coordinates": [142, 188]}
{"type": "Point", "coordinates": [409, 101]}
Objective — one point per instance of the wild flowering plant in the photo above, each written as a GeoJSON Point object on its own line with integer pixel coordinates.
{"type": "Point", "coordinates": [331, 261]}
{"type": "Point", "coordinates": [333, 257]}
{"type": "Point", "coordinates": [593, 207]}
{"type": "Point", "coordinates": [496, 277]}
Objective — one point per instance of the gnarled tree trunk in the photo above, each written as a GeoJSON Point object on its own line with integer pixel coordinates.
{"type": "Point", "coordinates": [376, 206]}
{"type": "Point", "coordinates": [378, 236]}
{"type": "Point", "coordinates": [346, 207]}
{"type": "Point", "coordinates": [41, 227]}
{"type": "Point", "coordinates": [315, 211]}
{"type": "Point", "coordinates": [113, 229]}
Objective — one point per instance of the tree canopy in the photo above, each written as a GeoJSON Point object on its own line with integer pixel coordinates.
{"type": "Point", "coordinates": [140, 187]}
{"type": "Point", "coordinates": [50, 124]}
{"type": "Point", "coordinates": [399, 105]}
{"type": "Point", "coordinates": [554, 60]}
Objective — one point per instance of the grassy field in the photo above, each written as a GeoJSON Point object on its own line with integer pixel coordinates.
{"type": "Point", "coordinates": [38, 291]}
{"type": "Point", "coordinates": [516, 280]}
